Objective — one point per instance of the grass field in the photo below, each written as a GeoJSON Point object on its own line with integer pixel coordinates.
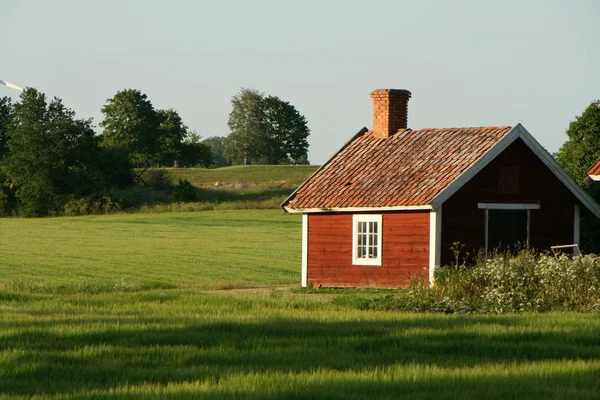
{"type": "Point", "coordinates": [199, 305]}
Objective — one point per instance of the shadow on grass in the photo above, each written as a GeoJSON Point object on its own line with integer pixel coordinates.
{"type": "Point", "coordinates": [153, 351]}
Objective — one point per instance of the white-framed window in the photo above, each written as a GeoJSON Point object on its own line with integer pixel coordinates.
{"type": "Point", "coordinates": [366, 239]}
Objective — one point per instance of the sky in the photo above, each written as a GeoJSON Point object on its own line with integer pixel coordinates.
{"type": "Point", "coordinates": [467, 63]}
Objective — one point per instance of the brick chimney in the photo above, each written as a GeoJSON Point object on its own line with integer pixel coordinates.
{"type": "Point", "coordinates": [390, 111]}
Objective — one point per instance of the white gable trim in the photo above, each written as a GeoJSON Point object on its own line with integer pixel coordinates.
{"type": "Point", "coordinates": [518, 132]}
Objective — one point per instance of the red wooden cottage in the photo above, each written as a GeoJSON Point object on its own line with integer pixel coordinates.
{"type": "Point", "coordinates": [390, 203]}
{"type": "Point", "coordinates": [593, 174]}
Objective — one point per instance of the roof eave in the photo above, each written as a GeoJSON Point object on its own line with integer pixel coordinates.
{"type": "Point", "coordinates": [427, 207]}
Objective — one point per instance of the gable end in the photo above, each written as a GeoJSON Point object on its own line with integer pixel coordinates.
{"type": "Point", "coordinates": [518, 132]}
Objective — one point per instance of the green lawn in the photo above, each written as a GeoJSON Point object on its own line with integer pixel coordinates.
{"type": "Point", "coordinates": [139, 306]}
{"type": "Point", "coordinates": [186, 250]}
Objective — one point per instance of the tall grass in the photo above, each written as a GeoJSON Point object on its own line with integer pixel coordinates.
{"type": "Point", "coordinates": [184, 344]}
{"type": "Point", "coordinates": [504, 283]}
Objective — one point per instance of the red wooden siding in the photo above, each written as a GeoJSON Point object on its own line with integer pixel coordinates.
{"type": "Point", "coordinates": [552, 224]}
{"type": "Point", "coordinates": [405, 251]}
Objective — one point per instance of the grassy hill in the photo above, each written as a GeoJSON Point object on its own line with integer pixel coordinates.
{"type": "Point", "coordinates": [281, 175]}
{"type": "Point", "coordinates": [238, 187]}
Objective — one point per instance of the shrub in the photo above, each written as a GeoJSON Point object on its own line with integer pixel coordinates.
{"type": "Point", "coordinates": [504, 283]}
{"type": "Point", "coordinates": [184, 191]}
{"type": "Point", "coordinates": [94, 204]}
{"type": "Point", "coordinates": [158, 178]}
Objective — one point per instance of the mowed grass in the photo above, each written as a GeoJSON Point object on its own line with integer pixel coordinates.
{"type": "Point", "coordinates": [176, 337]}
{"type": "Point", "coordinates": [186, 250]}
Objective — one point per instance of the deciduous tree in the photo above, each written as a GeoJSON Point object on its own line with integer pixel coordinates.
{"type": "Point", "coordinates": [582, 149]}
{"type": "Point", "coordinates": [246, 119]}
{"type": "Point", "coordinates": [286, 132]}
{"type": "Point", "coordinates": [265, 130]}
{"type": "Point", "coordinates": [172, 132]}
{"type": "Point", "coordinates": [52, 155]}
{"type": "Point", "coordinates": [217, 147]}
{"type": "Point", "coordinates": [131, 124]}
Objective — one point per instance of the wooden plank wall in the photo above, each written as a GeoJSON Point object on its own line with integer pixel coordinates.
{"type": "Point", "coordinates": [405, 251]}
{"type": "Point", "coordinates": [552, 224]}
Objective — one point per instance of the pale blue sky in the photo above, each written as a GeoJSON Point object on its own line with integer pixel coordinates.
{"type": "Point", "coordinates": [467, 63]}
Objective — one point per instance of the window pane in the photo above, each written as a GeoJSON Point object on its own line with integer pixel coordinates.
{"type": "Point", "coordinates": [362, 227]}
{"type": "Point", "coordinates": [361, 252]}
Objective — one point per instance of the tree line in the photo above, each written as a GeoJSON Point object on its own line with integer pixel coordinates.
{"type": "Point", "coordinates": [50, 159]}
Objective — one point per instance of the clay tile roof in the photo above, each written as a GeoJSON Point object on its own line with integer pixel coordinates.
{"type": "Point", "coordinates": [595, 170]}
{"type": "Point", "coordinates": [407, 169]}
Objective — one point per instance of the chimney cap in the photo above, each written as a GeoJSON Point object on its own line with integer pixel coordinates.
{"type": "Point", "coordinates": [391, 92]}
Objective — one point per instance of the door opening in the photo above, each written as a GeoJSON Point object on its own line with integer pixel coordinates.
{"type": "Point", "coordinates": [507, 230]}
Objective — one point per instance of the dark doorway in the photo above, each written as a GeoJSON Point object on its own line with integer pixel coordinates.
{"type": "Point", "coordinates": [507, 230]}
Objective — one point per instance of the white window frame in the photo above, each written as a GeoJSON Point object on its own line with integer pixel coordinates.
{"type": "Point", "coordinates": [507, 206]}
{"type": "Point", "coordinates": [356, 218]}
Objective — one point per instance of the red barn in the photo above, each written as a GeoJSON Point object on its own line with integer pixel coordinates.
{"type": "Point", "coordinates": [390, 203]}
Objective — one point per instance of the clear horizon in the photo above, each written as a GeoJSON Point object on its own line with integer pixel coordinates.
{"type": "Point", "coordinates": [467, 63]}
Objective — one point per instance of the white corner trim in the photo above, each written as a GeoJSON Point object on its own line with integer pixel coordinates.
{"type": "Point", "coordinates": [435, 242]}
{"type": "Point", "coordinates": [509, 206]}
{"type": "Point", "coordinates": [304, 250]}
{"type": "Point", "coordinates": [576, 221]}
{"type": "Point", "coordinates": [356, 209]}
{"type": "Point", "coordinates": [594, 177]}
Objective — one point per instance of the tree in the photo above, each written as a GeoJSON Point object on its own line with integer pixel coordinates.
{"type": "Point", "coordinates": [243, 144]}
{"type": "Point", "coordinates": [172, 132]}
{"type": "Point", "coordinates": [576, 156]}
{"type": "Point", "coordinates": [582, 149]}
{"type": "Point", "coordinates": [51, 155]}
{"type": "Point", "coordinates": [5, 115]}
{"type": "Point", "coordinates": [131, 124]}
{"type": "Point", "coordinates": [286, 132]}
{"type": "Point", "coordinates": [265, 130]}
{"type": "Point", "coordinates": [7, 199]}
{"type": "Point", "coordinates": [194, 152]}
{"type": "Point", "coordinates": [217, 147]}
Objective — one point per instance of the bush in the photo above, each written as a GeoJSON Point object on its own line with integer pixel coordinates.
{"type": "Point", "coordinates": [504, 283]}
{"type": "Point", "coordinates": [6, 203]}
{"type": "Point", "coordinates": [184, 191]}
{"type": "Point", "coordinates": [158, 178]}
{"type": "Point", "coordinates": [95, 204]}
